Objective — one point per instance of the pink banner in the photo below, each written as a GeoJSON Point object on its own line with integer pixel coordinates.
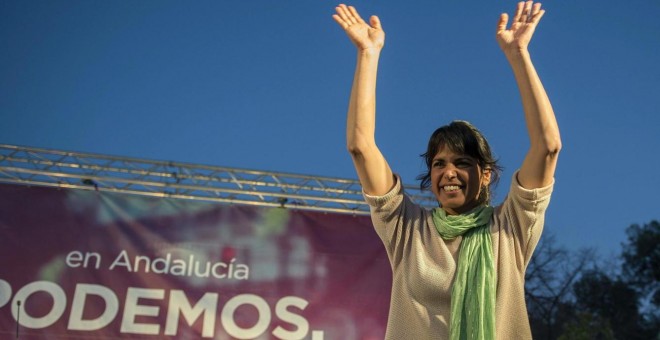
{"type": "Point", "coordinates": [86, 264]}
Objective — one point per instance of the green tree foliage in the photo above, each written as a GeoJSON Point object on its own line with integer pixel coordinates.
{"type": "Point", "coordinates": [610, 301]}
{"type": "Point", "coordinates": [548, 280]}
{"type": "Point", "coordinates": [587, 326]}
{"type": "Point", "coordinates": [570, 297]}
{"type": "Point", "coordinates": [641, 256]}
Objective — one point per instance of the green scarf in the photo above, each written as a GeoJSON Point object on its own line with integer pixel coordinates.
{"type": "Point", "coordinates": [473, 292]}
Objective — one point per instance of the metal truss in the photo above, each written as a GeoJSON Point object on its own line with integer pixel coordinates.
{"type": "Point", "coordinates": [63, 169]}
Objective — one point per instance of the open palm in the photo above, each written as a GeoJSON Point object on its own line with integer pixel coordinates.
{"type": "Point", "coordinates": [517, 37]}
{"type": "Point", "coordinates": [363, 35]}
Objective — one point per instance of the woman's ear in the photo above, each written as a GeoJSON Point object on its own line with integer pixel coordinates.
{"type": "Point", "coordinates": [485, 180]}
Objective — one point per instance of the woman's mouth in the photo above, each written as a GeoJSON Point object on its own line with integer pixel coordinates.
{"type": "Point", "coordinates": [451, 188]}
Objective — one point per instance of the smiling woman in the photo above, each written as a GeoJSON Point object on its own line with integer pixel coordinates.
{"type": "Point", "coordinates": [459, 164]}
{"type": "Point", "coordinates": [458, 270]}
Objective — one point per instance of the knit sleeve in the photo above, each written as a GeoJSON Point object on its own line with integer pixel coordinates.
{"type": "Point", "coordinates": [392, 215]}
{"type": "Point", "coordinates": [523, 214]}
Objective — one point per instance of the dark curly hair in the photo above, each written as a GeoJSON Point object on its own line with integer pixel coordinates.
{"type": "Point", "coordinates": [463, 138]}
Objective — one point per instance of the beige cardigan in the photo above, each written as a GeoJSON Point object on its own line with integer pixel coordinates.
{"type": "Point", "coordinates": [423, 264]}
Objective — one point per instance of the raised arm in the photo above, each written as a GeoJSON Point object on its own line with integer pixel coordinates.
{"type": "Point", "coordinates": [539, 165]}
{"type": "Point", "coordinates": [375, 174]}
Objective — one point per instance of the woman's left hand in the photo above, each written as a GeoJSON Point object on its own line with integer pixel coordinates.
{"type": "Point", "coordinates": [517, 37]}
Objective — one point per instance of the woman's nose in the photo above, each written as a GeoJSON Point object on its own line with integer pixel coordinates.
{"type": "Point", "coordinates": [450, 173]}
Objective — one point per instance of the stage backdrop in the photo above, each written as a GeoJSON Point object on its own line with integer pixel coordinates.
{"type": "Point", "coordinates": [78, 264]}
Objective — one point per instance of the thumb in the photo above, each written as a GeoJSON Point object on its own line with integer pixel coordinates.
{"type": "Point", "coordinates": [375, 22]}
{"type": "Point", "coordinates": [501, 24]}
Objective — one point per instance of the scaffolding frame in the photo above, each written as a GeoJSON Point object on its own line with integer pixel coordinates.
{"type": "Point", "coordinates": [87, 171]}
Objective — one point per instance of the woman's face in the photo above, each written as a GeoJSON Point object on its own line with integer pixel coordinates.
{"type": "Point", "coordinates": [456, 181]}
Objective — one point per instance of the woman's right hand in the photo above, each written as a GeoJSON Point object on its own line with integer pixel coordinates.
{"type": "Point", "coordinates": [364, 36]}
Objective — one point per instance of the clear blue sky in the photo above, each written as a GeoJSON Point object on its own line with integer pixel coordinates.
{"type": "Point", "coordinates": [264, 84]}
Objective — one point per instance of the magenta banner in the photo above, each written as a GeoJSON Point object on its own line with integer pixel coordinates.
{"type": "Point", "coordinates": [78, 264]}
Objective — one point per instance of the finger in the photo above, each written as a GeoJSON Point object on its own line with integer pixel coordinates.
{"type": "Point", "coordinates": [536, 9]}
{"type": "Point", "coordinates": [527, 12]}
{"type": "Point", "coordinates": [342, 11]}
{"type": "Point", "coordinates": [346, 14]}
{"type": "Point", "coordinates": [355, 14]}
{"type": "Point", "coordinates": [519, 10]}
{"type": "Point", "coordinates": [501, 24]}
{"type": "Point", "coordinates": [340, 21]}
{"type": "Point", "coordinates": [375, 22]}
{"type": "Point", "coordinates": [537, 17]}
